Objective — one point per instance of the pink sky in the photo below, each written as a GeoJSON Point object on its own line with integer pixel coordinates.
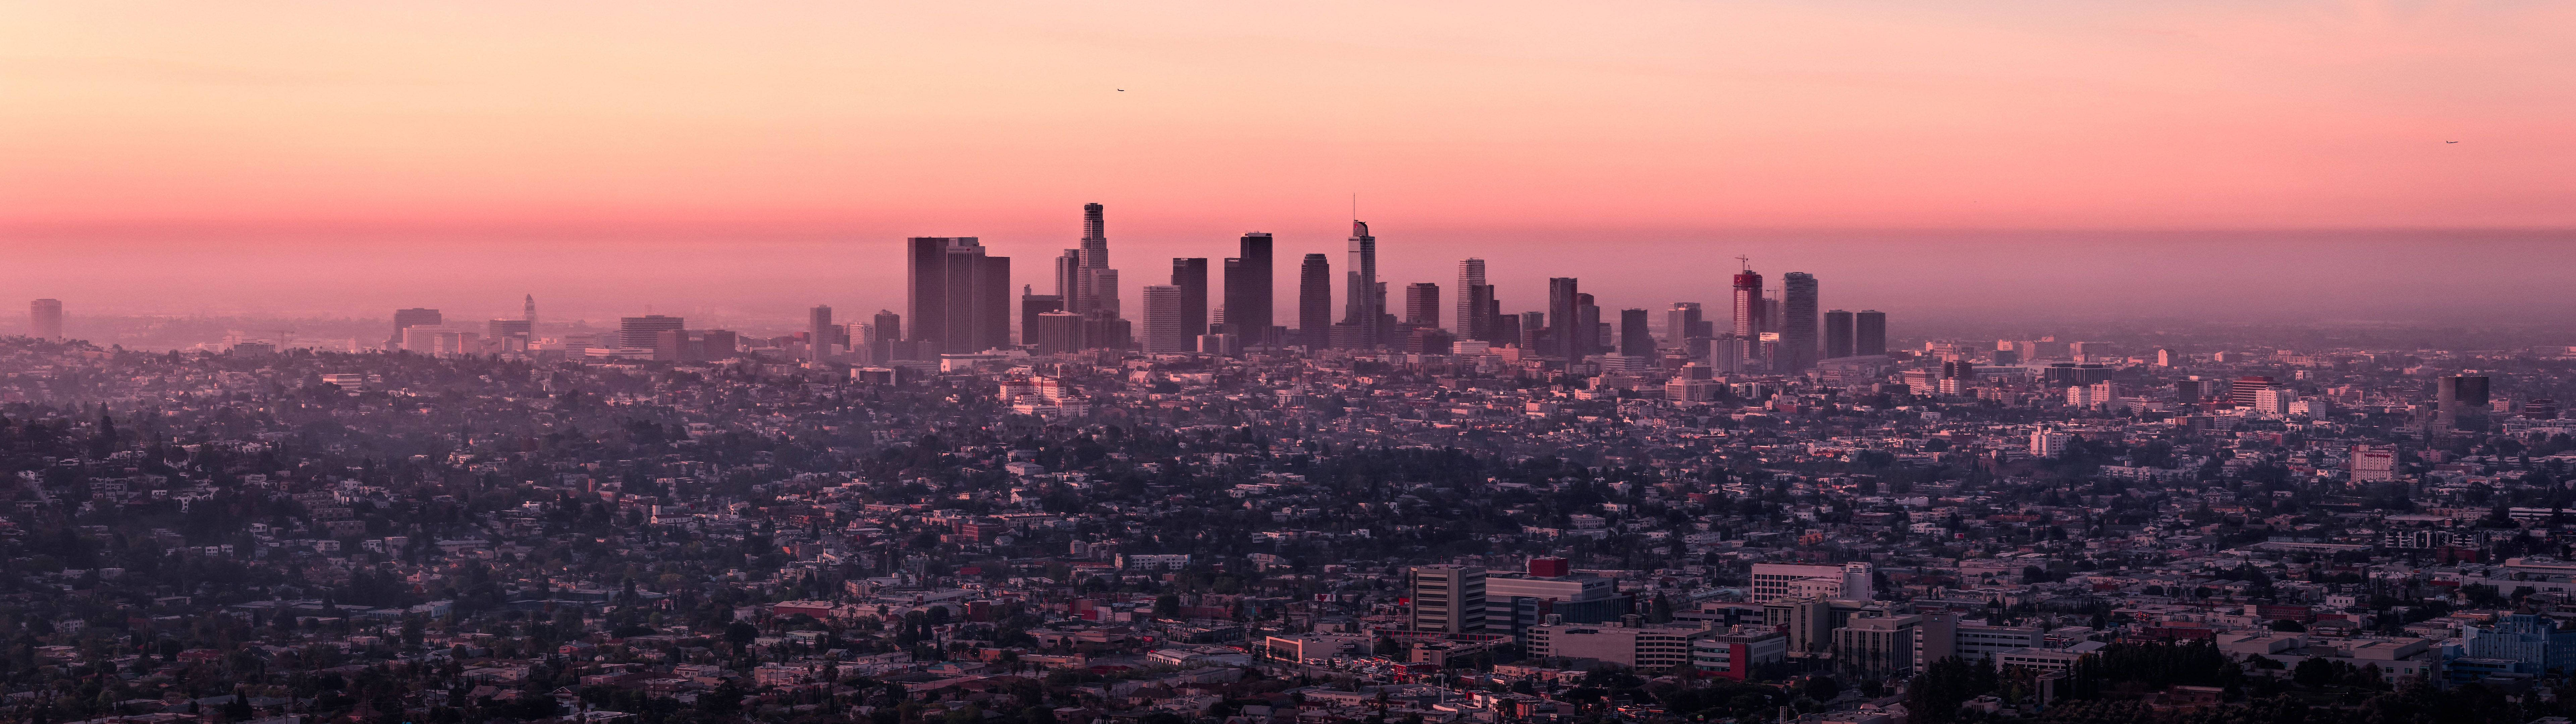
{"type": "Point", "coordinates": [300, 120]}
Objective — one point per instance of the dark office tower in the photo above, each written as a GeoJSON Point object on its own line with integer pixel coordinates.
{"type": "Point", "coordinates": [1534, 333]}
{"type": "Point", "coordinates": [407, 318]}
{"type": "Point", "coordinates": [1068, 276]}
{"type": "Point", "coordinates": [1564, 337]}
{"type": "Point", "coordinates": [1869, 332]}
{"type": "Point", "coordinates": [818, 335]}
{"type": "Point", "coordinates": [1587, 326]}
{"type": "Point", "coordinates": [1365, 302]}
{"type": "Point", "coordinates": [1634, 339]}
{"type": "Point", "coordinates": [530, 313]}
{"type": "Point", "coordinates": [1507, 328]}
{"type": "Point", "coordinates": [960, 298]}
{"type": "Point", "coordinates": [643, 332]}
{"type": "Point", "coordinates": [2462, 403]}
{"type": "Point", "coordinates": [1422, 304]}
{"type": "Point", "coordinates": [1838, 334]}
{"type": "Point", "coordinates": [1191, 275]}
{"type": "Point", "coordinates": [1248, 290]}
{"type": "Point", "coordinates": [956, 327]}
{"type": "Point", "coordinates": [1798, 319]}
{"type": "Point", "coordinates": [1476, 313]}
{"type": "Point", "coordinates": [992, 304]}
{"type": "Point", "coordinates": [718, 344]}
{"type": "Point", "coordinates": [1681, 323]}
{"type": "Point", "coordinates": [926, 286]}
{"type": "Point", "coordinates": [45, 319]}
{"type": "Point", "coordinates": [1471, 320]}
{"type": "Point", "coordinates": [1748, 305]}
{"type": "Point", "coordinates": [1314, 302]}
{"type": "Point", "coordinates": [1032, 305]}
{"type": "Point", "coordinates": [889, 330]}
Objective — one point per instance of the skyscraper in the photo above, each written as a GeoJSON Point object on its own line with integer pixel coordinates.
{"type": "Point", "coordinates": [1587, 325]}
{"type": "Point", "coordinates": [1365, 305]}
{"type": "Point", "coordinates": [1314, 301]}
{"type": "Point", "coordinates": [1565, 336]}
{"type": "Point", "coordinates": [1534, 333]}
{"type": "Point", "coordinates": [1798, 317]}
{"type": "Point", "coordinates": [1248, 290]}
{"type": "Point", "coordinates": [992, 304]}
{"type": "Point", "coordinates": [45, 319]}
{"type": "Point", "coordinates": [2460, 403]}
{"type": "Point", "coordinates": [407, 318]}
{"type": "Point", "coordinates": [1422, 304]}
{"type": "Point", "coordinates": [1448, 599]}
{"type": "Point", "coordinates": [645, 332]}
{"type": "Point", "coordinates": [819, 334]}
{"type": "Point", "coordinates": [1191, 275]}
{"type": "Point", "coordinates": [889, 331]}
{"type": "Point", "coordinates": [960, 298]}
{"type": "Point", "coordinates": [926, 286]}
{"type": "Point", "coordinates": [956, 332]}
{"type": "Point", "coordinates": [1838, 334]}
{"type": "Point", "coordinates": [1032, 305]}
{"type": "Point", "coordinates": [1068, 276]}
{"type": "Point", "coordinates": [1681, 323]}
{"type": "Point", "coordinates": [1056, 332]}
{"type": "Point", "coordinates": [1094, 257]}
{"type": "Point", "coordinates": [1479, 300]}
{"type": "Point", "coordinates": [1748, 315]}
{"type": "Point", "coordinates": [1472, 322]}
{"type": "Point", "coordinates": [529, 313]}
{"type": "Point", "coordinates": [1164, 319]}
{"type": "Point", "coordinates": [1869, 332]}
{"type": "Point", "coordinates": [1634, 339]}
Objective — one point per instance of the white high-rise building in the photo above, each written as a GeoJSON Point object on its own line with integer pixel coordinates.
{"type": "Point", "coordinates": [2047, 443]}
{"type": "Point", "coordinates": [2274, 401]}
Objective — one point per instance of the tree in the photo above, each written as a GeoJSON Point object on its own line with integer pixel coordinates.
{"type": "Point", "coordinates": [2316, 671]}
{"type": "Point", "coordinates": [1822, 688]}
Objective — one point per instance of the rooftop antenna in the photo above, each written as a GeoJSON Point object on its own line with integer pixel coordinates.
{"type": "Point", "coordinates": [1746, 261]}
{"type": "Point", "coordinates": [1355, 206]}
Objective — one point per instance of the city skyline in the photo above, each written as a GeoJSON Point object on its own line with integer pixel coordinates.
{"type": "Point", "coordinates": [2240, 161]}
{"type": "Point", "coordinates": [1628, 362]}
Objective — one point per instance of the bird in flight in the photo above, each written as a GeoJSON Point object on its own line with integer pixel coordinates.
{"type": "Point", "coordinates": [1123, 90]}
{"type": "Point", "coordinates": [2443, 141]}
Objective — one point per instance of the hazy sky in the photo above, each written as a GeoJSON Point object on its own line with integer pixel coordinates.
{"type": "Point", "coordinates": [755, 156]}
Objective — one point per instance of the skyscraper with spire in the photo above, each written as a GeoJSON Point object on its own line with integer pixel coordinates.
{"type": "Point", "coordinates": [1364, 300]}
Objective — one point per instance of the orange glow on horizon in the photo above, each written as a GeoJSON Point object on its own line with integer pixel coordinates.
{"type": "Point", "coordinates": [166, 118]}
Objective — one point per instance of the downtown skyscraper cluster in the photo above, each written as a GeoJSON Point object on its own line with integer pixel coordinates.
{"type": "Point", "coordinates": [959, 305]}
